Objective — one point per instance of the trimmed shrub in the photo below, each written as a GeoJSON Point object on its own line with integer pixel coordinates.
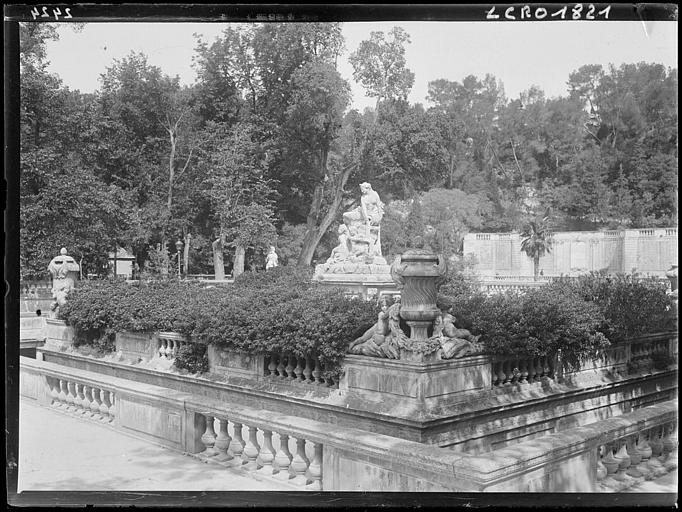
{"type": "Point", "coordinates": [537, 322]}
{"type": "Point", "coordinates": [280, 310]}
{"type": "Point", "coordinates": [630, 307]}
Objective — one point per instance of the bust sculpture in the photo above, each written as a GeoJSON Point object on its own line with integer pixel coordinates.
{"type": "Point", "coordinates": [64, 270]}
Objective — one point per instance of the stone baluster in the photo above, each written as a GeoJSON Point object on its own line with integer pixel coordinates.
{"type": "Point", "coordinates": [222, 442]}
{"type": "Point", "coordinates": [610, 462]}
{"type": "Point", "coordinates": [237, 444]}
{"type": "Point", "coordinates": [251, 450]}
{"type": "Point", "coordinates": [622, 454]}
{"type": "Point", "coordinates": [162, 350]}
{"type": "Point", "coordinates": [96, 402]}
{"type": "Point", "coordinates": [666, 445]}
{"type": "Point", "coordinates": [643, 447]}
{"type": "Point", "coordinates": [78, 399]}
{"type": "Point", "coordinates": [290, 367]}
{"type": "Point", "coordinates": [70, 393]}
{"type": "Point", "coordinates": [272, 366]}
{"type": "Point", "coordinates": [300, 463]}
{"type": "Point", "coordinates": [315, 469]}
{"type": "Point", "coordinates": [635, 456]}
{"type": "Point", "coordinates": [654, 462]}
{"type": "Point", "coordinates": [298, 370]}
{"type": "Point", "coordinates": [54, 392]}
{"type": "Point", "coordinates": [308, 370]}
{"type": "Point", "coordinates": [531, 370]}
{"type": "Point", "coordinates": [283, 458]}
{"type": "Point", "coordinates": [62, 394]}
{"type": "Point", "coordinates": [280, 366]}
{"type": "Point", "coordinates": [112, 406]}
{"type": "Point", "coordinates": [494, 377]}
{"type": "Point", "coordinates": [87, 401]}
{"type": "Point", "coordinates": [601, 469]}
{"type": "Point", "coordinates": [105, 405]}
{"type": "Point", "coordinates": [508, 375]}
{"type": "Point", "coordinates": [267, 453]}
{"type": "Point", "coordinates": [670, 445]}
{"type": "Point", "coordinates": [523, 376]}
{"type": "Point", "coordinates": [640, 450]}
{"type": "Point", "coordinates": [317, 372]}
{"type": "Point", "coordinates": [172, 348]}
{"type": "Point", "coordinates": [208, 438]}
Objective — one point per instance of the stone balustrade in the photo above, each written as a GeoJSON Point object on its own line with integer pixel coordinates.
{"type": "Point", "coordinates": [302, 370]}
{"type": "Point", "coordinates": [643, 455]}
{"type": "Point", "coordinates": [308, 454]}
{"type": "Point", "coordinates": [514, 370]}
{"type": "Point", "coordinates": [169, 343]}
{"type": "Point", "coordinates": [234, 440]}
{"type": "Point", "coordinates": [35, 289]}
{"type": "Point", "coordinates": [83, 398]}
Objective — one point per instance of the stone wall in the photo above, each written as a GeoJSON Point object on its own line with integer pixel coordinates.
{"type": "Point", "coordinates": [648, 251]}
{"type": "Point", "coordinates": [308, 454]}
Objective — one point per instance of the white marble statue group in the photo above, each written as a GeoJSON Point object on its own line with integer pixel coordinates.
{"type": "Point", "coordinates": [360, 233]}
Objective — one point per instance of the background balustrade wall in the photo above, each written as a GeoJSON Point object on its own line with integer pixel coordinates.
{"type": "Point", "coordinates": [648, 251]}
{"type": "Point", "coordinates": [308, 454]}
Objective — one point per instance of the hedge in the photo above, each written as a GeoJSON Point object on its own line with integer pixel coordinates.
{"type": "Point", "coordinates": [283, 310]}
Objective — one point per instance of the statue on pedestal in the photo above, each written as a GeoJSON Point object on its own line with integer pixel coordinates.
{"type": "Point", "coordinates": [64, 270]}
{"type": "Point", "coordinates": [271, 259]}
{"type": "Point", "coordinates": [359, 245]}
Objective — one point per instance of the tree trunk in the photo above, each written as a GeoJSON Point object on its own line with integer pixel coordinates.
{"type": "Point", "coordinates": [239, 254]}
{"type": "Point", "coordinates": [316, 231]}
{"type": "Point", "coordinates": [218, 262]}
{"type": "Point", "coordinates": [536, 267]}
{"type": "Point", "coordinates": [188, 239]}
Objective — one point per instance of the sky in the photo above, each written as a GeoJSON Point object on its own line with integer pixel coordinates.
{"type": "Point", "coordinates": [518, 54]}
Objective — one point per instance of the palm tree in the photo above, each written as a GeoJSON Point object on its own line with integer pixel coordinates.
{"type": "Point", "coordinates": [536, 241]}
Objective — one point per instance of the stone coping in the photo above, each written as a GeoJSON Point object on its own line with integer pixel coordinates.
{"type": "Point", "coordinates": [470, 472]}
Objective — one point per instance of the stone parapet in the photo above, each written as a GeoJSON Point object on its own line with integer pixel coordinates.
{"type": "Point", "coordinates": [308, 454]}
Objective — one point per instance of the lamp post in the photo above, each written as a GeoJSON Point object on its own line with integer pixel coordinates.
{"type": "Point", "coordinates": [178, 246]}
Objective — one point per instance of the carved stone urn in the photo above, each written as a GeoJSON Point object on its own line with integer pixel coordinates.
{"type": "Point", "coordinates": [418, 272]}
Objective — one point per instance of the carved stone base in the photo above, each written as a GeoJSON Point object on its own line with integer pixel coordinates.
{"type": "Point", "coordinates": [422, 380]}
{"type": "Point", "coordinates": [366, 281]}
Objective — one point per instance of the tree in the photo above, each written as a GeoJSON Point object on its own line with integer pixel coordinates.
{"type": "Point", "coordinates": [314, 118]}
{"type": "Point", "coordinates": [379, 65]}
{"type": "Point", "coordinates": [241, 195]}
{"type": "Point", "coordinates": [536, 241]}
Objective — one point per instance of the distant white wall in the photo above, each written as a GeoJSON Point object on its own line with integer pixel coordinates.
{"type": "Point", "coordinates": [648, 251]}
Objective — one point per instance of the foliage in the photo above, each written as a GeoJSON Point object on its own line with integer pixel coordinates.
{"type": "Point", "coordinates": [280, 310]}
{"type": "Point", "coordinates": [630, 306]}
{"type": "Point", "coordinates": [380, 66]}
{"type": "Point", "coordinates": [192, 357]}
{"type": "Point", "coordinates": [538, 322]}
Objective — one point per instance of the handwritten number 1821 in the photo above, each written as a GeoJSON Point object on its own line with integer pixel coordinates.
{"type": "Point", "coordinates": [55, 12]}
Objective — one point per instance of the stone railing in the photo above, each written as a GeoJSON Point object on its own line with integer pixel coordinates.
{"type": "Point", "coordinates": [301, 370]}
{"type": "Point", "coordinates": [514, 370]}
{"type": "Point", "coordinates": [632, 458]}
{"type": "Point", "coordinates": [169, 343]}
{"type": "Point", "coordinates": [35, 289]}
{"type": "Point", "coordinates": [307, 454]}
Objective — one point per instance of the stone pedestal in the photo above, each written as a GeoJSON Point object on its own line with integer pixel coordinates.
{"type": "Point", "coordinates": [58, 335]}
{"type": "Point", "coordinates": [366, 281]}
{"type": "Point", "coordinates": [230, 363]}
{"type": "Point", "coordinates": [136, 346]}
{"type": "Point", "coordinates": [422, 381]}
